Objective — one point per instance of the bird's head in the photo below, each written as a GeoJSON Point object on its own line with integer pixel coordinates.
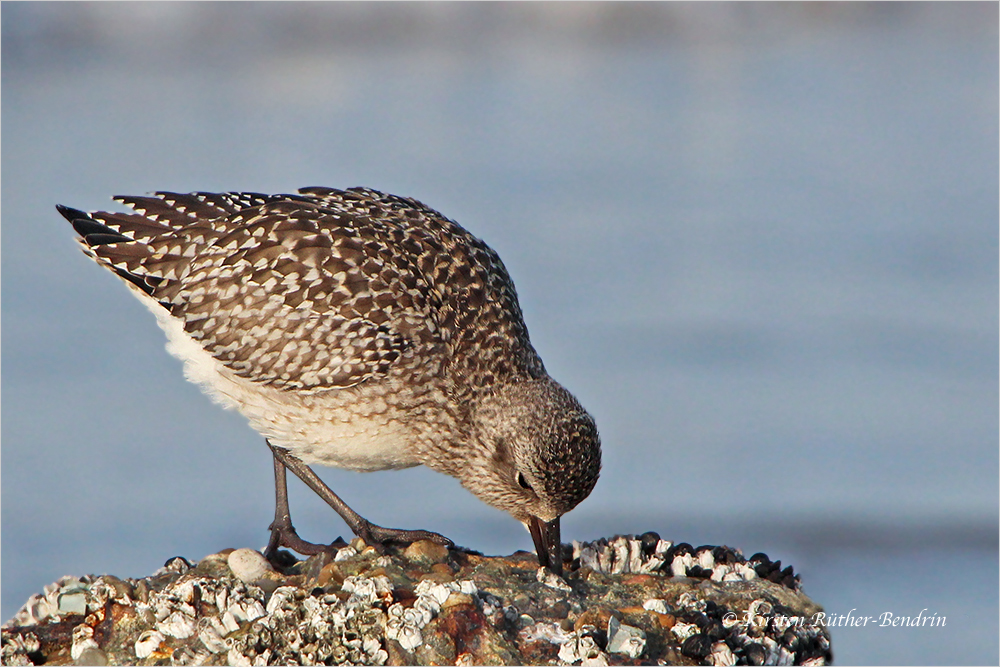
{"type": "Point", "coordinates": [542, 457]}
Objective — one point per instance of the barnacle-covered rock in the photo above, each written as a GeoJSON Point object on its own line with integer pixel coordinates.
{"type": "Point", "coordinates": [625, 600]}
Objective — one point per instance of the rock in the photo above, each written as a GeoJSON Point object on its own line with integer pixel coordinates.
{"type": "Point", "coordinates": [248, 565]}
{"type": "Point", "coordinates": [624, 600]}
{"type": "Point", "coordinates": [426, 551]}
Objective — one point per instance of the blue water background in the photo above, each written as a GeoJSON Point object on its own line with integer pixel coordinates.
{"type": "Point", "coordinates": [759, 242]}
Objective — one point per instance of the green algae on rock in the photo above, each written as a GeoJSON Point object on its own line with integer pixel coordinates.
{"type": "Point", "coordinates": [624, 601]}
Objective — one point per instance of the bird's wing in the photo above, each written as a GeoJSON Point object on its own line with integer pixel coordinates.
{"type": "Point", "coordinates": [285, 290]}
{"type": "Point", "coordinates": [471, 296]}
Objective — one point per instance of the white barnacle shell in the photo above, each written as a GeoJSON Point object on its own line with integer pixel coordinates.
{"type": "Point", "coordinates": [722, 571]}
{"type": "Point", "coordinates": [722, 655]}
{"type": "Point", "coordinates": [229, 622]}
{"type": "Point", "coordinates": [183, 590]}
{"type": "Point", "coordinates": [161, 607]}
{"type": "Point", "coordinates": [550, 632]}
{"type": "Point", "coordinates": [17, 646]}
{"type": "Point", "coordinates": [83, 638]}
{"type": "Point", "coordinates": [29, 613]}
{"type": "Point", "coordinates": [240, 612]}
{"type": "Point", "coordinates": [211, 632]}
{"type": "Point", "coordinates": [383, 584]}
{"type": "Point", "coordinates": [491, 604]}
{"type": "Point", "coordinates": [757, 613]}
{"type": "Point", "coordinates": [577, 647]}
{"type": "Point", "coordinates": [428, 606]}
{"type": "Point", "coordinates": [654, 564]}
{"type": "Point", "coordinates": [621, 560]}
{"type": "Point", "coordinates": [706, 559]}
{"type": "Point", "coordinates": [625, 639]}
{"type": "Point", "coordinates": [176, 565]}
{"type": "Point", "coordinates": [680, 564]}
{"type": "Point", "coordinates": [237, 659]}
{"type": "Point", "coordinates": [315, 615]}
{"type": "Point", "coordinates": [345, 553]}
{"type": "Point", "coordinates": [402, 626]}
{"type": "Point", "coordinates": [177, 624]}
{"type": "Point", "coordinates": [147, 643]}
{"type": "Point", "coordinates": [433, 591]}
{"type": "Point", "coordinates": [689, 600]}
{"type": "Point", "coordinates": [188, 655]}
{"type": "Point", "coordinates": [395, 611]}
{"type": "Point", "coordinates": [605, 559]}
{"type": "Point", "coordinates": [341, 614]}
{"type": "Point", "coordinates": [589, 558]}
{"type": "Point", "coordinates": [371, 645]}
{"type": "Point", "coordinates": [279, 598]}
{"type": "Point", "coordinates": [568, 652]}
{"type": "Point", "coordinates": [657, 605]}
{"type": "Point", "coordinates": [551, 579]}
{"type": "Point", "coordinates": [635, 559]}
{"type": "Point", "coordinates": [684, 630]}
{"type": "Point", "coordinates": [184, 608]}
{"type": "Point", "coordinates": [781, 623]}
{"type": "Point", "coordinates": [773, 654]}
{"type": "Point", "coordinates": [222, 598]}
{"type": "Point", "coordinates": [410, 637]}
{"type": "Point", "coordinates": [363, 591]}
{"type": "Point", "coordinates": [421, 613]}
{"type": "Point", "coordinates": [97, 594]}
{"type": "Point", "coordinates": [45, 607]}
{"type": "Point", "coordinates": [118, 590]}
{"type": "Point", "coordinates": [250, 610]}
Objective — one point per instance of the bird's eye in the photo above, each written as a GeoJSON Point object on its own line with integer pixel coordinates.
{"type": "Point", "coordinates": [522, 482]}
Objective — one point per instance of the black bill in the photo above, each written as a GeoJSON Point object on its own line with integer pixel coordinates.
{"type": "Point", "coordinates": [547, 543]}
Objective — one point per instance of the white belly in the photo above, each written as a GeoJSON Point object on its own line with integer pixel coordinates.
{"type": "Point", "coordinates": [344, 428]}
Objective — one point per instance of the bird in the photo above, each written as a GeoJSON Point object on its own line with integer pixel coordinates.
{"type": "Point", "coordinates": [359, 330]}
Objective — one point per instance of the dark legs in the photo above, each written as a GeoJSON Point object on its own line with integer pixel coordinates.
{"type": "Point", "coordinates": [284, 535]}
{"type": "Point", "coordinates": [282, 532]}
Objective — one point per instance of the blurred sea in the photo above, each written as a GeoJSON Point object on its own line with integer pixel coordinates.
{"type": "Point", "coordinates": [758, 241]}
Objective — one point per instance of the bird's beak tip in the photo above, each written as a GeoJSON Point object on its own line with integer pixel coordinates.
{"type": "Point", "coordinates": [548, 543]}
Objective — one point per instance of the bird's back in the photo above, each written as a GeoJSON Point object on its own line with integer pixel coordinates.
{"type": "Point", "coordinates": [321, 290]}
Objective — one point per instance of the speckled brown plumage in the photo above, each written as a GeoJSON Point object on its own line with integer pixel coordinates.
{"type": "Point", "coordinates": [377, 277]}
{"type": "Point", "coordinates": [357, 329]}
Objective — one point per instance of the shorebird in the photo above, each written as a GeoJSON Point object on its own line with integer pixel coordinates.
{"type": "Point", "coordinates": [359, 330]}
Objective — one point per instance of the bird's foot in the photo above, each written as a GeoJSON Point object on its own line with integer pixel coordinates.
{"type": "Point", "coordinates": [283, 535]}
{"type": "Point", "coordinates": [376, 536]}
